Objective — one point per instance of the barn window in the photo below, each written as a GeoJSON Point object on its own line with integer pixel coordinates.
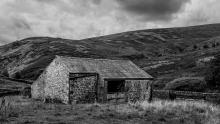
{"type": "Point", "coordinates": [115, 86]}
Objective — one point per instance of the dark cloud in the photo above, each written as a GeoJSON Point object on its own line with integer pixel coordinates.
{"type": "Point", "coordinates": [153, 9]}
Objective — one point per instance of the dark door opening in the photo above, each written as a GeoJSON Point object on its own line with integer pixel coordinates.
{"type": "Point", "coordinates": [115, 86]}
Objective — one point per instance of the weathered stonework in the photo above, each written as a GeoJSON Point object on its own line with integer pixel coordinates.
{"type": "Point", "coordinates": [52, 84]}
{"type": "Point", "coordinates": [57, 86]}
{"type": "Point", "coordinates": [37, 88]}
{"type": "Point", "coordinates": [58, 83]}
{"type": "Point", "coordinates": [83, 90]}
{"type": "Point", "coordinates": [137, 90]}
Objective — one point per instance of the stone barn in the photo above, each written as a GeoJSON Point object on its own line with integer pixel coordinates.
{"type": "Point", "coordinates": [86, 80]}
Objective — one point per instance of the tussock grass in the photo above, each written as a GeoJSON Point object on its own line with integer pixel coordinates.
{"type": "Point", "coordinates": [7, 110]}
{"type": "Point", "coordinates": [184, 111]}
{"type": "Point", "coordinates": [159, 111]}
{"type": "Point", "coordinates": [162, 111]}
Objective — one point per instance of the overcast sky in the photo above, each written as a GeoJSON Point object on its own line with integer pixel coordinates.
{"type": "Point", "coordinates": [79, 19]}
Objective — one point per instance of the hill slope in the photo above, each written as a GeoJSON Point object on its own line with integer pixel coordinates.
{"type": "Point", "coordinates": [165, 53]}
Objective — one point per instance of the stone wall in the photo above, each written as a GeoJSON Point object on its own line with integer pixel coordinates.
{"type": "Point", "coordinates": [37, 88]}
{"type": "Point", "coordinates": [137, 90]}
{"type": "Point", "coordinates": [83, 90]}
{"type": "Point", "coordinates": [56, 82]}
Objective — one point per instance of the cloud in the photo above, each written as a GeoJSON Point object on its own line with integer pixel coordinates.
{"type": "Point", "coordinates": [153, 9]}
{"type": "Point", "coordinates": [71, 19]}
{"type": "Point", "coordinates": [198, 12]}
{"type": "Point", "coordinates": [79, 19]}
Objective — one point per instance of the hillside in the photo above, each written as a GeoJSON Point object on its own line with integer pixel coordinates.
{"type": "Point", "coordinates": [165, 53]}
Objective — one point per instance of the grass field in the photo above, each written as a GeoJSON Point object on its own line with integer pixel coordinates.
{"type": "Point", "coordinates": [19, 110]}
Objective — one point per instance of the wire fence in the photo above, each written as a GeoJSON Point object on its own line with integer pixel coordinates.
{"type": "Point", "coordinates": [172, 95]}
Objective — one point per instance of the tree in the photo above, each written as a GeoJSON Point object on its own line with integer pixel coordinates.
{"type": "Point", "coordinates": [17, 75]}
{"type": "Point", "coordinates": [213, 45]}
{"type": "Point", "coordinates": [213, 72]}
{"type": "Point", "coordinates": [205, 46]}
{"type": "Point", "coordinates": [5, 73]}
{"type": "Point", "coordinates": [195, 47]}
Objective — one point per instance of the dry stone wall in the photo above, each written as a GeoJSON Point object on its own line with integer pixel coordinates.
{"type": "Point", "coordinates": [137, 90]}
{"type": "Point", "coordinates": [57, 86]}
{"type": "Point", "coordinates": [37, 88]}
{"type": "Point", "coordinates": [83, 90]}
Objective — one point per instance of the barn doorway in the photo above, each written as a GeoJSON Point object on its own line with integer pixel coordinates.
{"type": "Point", "coordinates": [116, 91]}
{"type": "Point", "coordinates": [115, 86]}
{"type": "Point", "coordinates": [83, 87]}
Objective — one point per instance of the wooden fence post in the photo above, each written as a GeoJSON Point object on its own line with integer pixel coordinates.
{"type": "Point", "coordinates": [172, 95]}
{"type": "Point", "coordinates": [150, 93]}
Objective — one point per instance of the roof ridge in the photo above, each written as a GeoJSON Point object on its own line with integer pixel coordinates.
{"type": "Point", "coordinates": [58, 56]}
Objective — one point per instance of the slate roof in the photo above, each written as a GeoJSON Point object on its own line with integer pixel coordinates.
{"type": "Point", "coordinates": [106, 68]}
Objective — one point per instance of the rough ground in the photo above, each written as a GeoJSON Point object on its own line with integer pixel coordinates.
{"type": "Point", "coordinates": [27, 111]}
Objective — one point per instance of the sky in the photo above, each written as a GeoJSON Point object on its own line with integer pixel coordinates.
{"type": "Point", "coordinates": [80, 19]}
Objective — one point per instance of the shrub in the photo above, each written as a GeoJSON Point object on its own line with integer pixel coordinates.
{"type": "Point", "coordinates": [26, 92]}
{"type": "Point", "coordinates": [5, 73]}
{"type": "Point", "coordinates": [17, 75]}
{"type": "Point", "coordinates": [214, 45]}
{"type": "Point", "coordinates": [205, 46]}
{"type": "Point", "coordinates": [195, 47]}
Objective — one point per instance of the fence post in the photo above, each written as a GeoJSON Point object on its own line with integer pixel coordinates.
{"type": "Point", "coordinates": [172, 95]}
{"type": "Point", "coordinates": [150, 93]}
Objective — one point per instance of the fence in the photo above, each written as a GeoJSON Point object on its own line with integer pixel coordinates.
{"type": "Point", "coordinates": [172, 95]}
{"type": "Point", "coordinates": [161, 94]}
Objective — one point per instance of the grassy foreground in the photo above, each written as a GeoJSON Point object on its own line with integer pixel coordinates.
{"type": "Point", "coordinates": [18, 110]}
